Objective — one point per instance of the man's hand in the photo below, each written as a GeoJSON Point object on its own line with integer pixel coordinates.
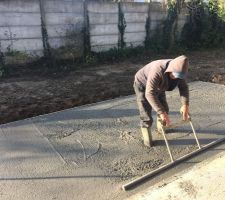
{"type": "Point", "coordinates": [184, 110]}
{"type": "Point", "coordinates": [165, 118]}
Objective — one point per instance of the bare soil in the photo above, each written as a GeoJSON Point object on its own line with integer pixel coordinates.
{"type": "Point", "coordinates": [29, 92]}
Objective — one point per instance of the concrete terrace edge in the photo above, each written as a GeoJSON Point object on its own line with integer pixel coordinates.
{"type": "Point", "coordinates": [92, 104]}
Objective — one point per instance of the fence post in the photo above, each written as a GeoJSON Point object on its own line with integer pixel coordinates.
{"type": "Point", "coordinates": [46, 45]}
{"type": "Point", "coordinates": [121, 26]}
{"type": "Point", "coordinates": [148, 26]}
{"type": "Point", "coordinates": [86, 32]}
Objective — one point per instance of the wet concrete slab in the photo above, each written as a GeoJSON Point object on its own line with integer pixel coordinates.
{"type": "Point", "coordinates": [25, 152]}
{"type": "Point", "coordinates": [205, 180]}
{"type": "Point", "coordinates": [90, 151]}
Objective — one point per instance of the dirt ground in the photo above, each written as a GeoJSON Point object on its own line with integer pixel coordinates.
{"type": "Point", "coordinates": [29, 93]}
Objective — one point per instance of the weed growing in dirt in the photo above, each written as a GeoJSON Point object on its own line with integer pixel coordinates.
{"type": "Point", "coordinates": [117, 54]}
{"type": "Point", "coordinates": [2, 63]}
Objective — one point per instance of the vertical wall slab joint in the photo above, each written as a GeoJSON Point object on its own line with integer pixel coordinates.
{"type": "Point", "coordinates": [46, 45]}
{"type": "Point", "coordinates": [121, 26]}
{"type": "Point", "coordinates": [86, 32]}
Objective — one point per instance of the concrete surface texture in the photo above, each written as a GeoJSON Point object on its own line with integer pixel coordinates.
{"type": "Point", "coordinates": [204, 181]}
{"type": "Point", "coordinates": [88, 152]}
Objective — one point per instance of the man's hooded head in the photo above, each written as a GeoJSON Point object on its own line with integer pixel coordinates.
{"type": "Point", "coordinates": [178, 67]}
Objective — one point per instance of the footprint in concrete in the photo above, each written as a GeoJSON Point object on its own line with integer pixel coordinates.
{"type": "Point", "coordinates": [189, 188]}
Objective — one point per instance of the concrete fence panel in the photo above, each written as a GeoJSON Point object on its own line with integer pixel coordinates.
{"type": "Point", "coordinates": [106, 39]}
{"type": "Point", "coordinates": [14, 6]}
{"type": "Point", "coordinates": [135, 38]}
{"type": "Point", "coordinates": [64, 30]}
{"type": "Point", "coordinates": [20, 26]}
{"type": "Point", "coordinates": [158, 15]}
{"type": "Point", "coordinates": [103, 18]}
{"type": "Point", "coordinates": [29, 46]}
{"type": "Point", "coordinates": [103, 25]}
{"type": "Point", "coordinates": [104, 47]}
{"type": "Point", "coordinates": [20, 32]}
{"type": "Point", "coordinates": [99, 41]}
{"type": "Point", "coordinates": [135, 16]}
{"type": "Point", "coordinates": [105, 29]}
{"type": "Point", "coordinates": [63, 6]}
{"type": "Point", "coordinates": [135, 27]}
{"type": "Point", "coordinates": [135, 7]}
{"type": "Point", "coordinates": [63, 18]}
{"type": "Point", "coordinates": [158, 6]}
{"type": "Point", "coordinates": [103, 7]}
{"type": "Point", "coordinates": [20, 19]}
{"type": "Point", "coordinates": [58, 42]}
{"type": "Point", "coordinates": [64, 21]}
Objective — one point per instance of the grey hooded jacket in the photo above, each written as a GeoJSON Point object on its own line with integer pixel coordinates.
{"type": "Point", "coordinates": [154, 78]}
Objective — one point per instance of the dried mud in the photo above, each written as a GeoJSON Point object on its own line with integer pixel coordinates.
{"type": "Point", "coordinates": [27, 94]}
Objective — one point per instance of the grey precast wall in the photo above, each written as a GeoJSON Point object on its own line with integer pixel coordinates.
{"type": "Point", "coordinates": [103, 22]}
{"type": "Point", "coordinates": [157, 13]}
{"type": "Point", "coordinates": [103, 19]}
{"type": "Point", "coordinates": [135, 15]}
{"type": "Point", "coordinates": [103, 25]}
{"type": "Point", "coordinates": [20, 25]}
{"type": "Point", "coordinates": [64, 20]}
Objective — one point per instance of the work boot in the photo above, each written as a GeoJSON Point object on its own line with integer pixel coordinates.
{"type": "Point", "coordinates": [147, 136]}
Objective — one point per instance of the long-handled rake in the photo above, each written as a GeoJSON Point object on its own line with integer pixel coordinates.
{"type": "Point", "coordinates": [173, 162]}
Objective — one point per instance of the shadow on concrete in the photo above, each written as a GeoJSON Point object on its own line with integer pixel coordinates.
{"type": "Point", "coordinates": [81, 115]}
{"type": "Point", "coordinates": [198, 131]}
{"type": "Point", "coordinates": [178, 142]}
{"type": "Point", "coordinates": [214, 132]}
{"type": "Point", "coordinates": [93, 114]}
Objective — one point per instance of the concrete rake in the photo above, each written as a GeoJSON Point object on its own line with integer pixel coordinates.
{"type": "Point", "coordinates": [144, 178]}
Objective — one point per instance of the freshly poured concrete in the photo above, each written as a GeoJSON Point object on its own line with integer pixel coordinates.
{"type": "Point", "coordinates": [90, 151]}
{"type": "Point", "coordinates": [204, 181]}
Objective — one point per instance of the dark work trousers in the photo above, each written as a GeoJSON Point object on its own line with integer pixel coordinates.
{"type": "Point", "coordinates": [144, 107]}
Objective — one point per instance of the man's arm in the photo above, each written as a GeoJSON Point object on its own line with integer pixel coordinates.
{"type": "Point", "coordinates": [151, 92]}
{"type": "Point", "coordinates": [184, 94]}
